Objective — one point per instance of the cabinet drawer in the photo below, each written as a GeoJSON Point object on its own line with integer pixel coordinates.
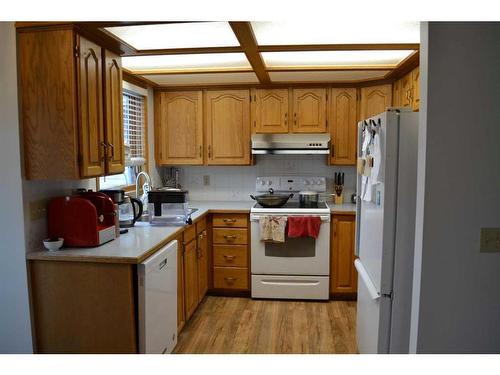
{"type": "Point", "coordinates": [230, 278]}
{"type": "Point", "coordinates": [230, 220]}
{"type": "Point", "coordinates": [236, 236]}
{"type": "Point", "coordinates": [189, 234]}
{"type": "Point", "coordinates": [230, 255]}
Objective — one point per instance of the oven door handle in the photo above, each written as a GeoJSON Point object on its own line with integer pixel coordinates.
{"type": "Point", "coordinates": [254, 217]}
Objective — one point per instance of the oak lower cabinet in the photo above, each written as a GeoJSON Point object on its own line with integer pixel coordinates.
{"type": "Point", "coordinates": [180, 128]}
{"type": "Point", "coordinates": [309, 110]}
{"type": "Point", "coordinates": [83, 307]}
{"type": "Point", "coordinates": [227, 114]}
{"type": "Point", "coordinates": [343, 274]}
{"type": "Point", "coordinates": [70, 105]}
{"type": "Point", "coordinates": [343, 126]}
{"type": "Point", "coordinates": [375, 100]}
{"type": "Point", "coordinates": [230, 252]}
{"type": "Point", "coordinates": [271, 111]}
{"type": "Point", "coordinates": [195, 266]}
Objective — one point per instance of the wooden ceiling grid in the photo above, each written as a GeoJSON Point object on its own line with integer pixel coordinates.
{"type": "Point", "coordinates": [248, 45]}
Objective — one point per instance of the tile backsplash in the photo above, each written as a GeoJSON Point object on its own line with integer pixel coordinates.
{"type": "Point", "coordinates": [237, 183]}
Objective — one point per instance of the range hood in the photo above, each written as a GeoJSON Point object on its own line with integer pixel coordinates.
{"type": "Point", "coordinates": [290, 144]}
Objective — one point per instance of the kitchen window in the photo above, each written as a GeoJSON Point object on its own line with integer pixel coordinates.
{"type": "Point", "coordinates": [135, 139]}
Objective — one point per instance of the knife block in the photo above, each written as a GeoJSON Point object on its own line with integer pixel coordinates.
{"type": "Point", "coordinates": [339, 199]}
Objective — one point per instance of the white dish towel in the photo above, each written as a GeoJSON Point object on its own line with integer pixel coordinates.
{"type": "Point", "coordinates": [272, 228]}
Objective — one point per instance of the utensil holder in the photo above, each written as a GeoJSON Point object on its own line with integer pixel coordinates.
{"type": "Point", "coordinates": [339, 199]}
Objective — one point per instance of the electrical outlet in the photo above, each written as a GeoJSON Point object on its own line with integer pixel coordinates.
{"type": "Point", "coordinates": [490, 240]}
{"type": "Point", "coordinates": [206, 180]}
{"type": "Point", "coordinates": [38, 209]}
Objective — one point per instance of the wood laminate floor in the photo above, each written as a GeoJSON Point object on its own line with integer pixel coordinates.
{"type": "Point", "coordinates": [226, 325]}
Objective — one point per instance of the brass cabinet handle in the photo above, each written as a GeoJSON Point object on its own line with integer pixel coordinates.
{"type": "Point", "coordinates": [295, 118]}
{"type": "Point", "coordinates": [229, 220]}
{"type": "Point", "coordinates": [209, 152]}
{"type": "Point", "coordinates": [230, 279]}
{"type": "Point", "coordinates": [286, 118]}
{"type": "Point", "coordinates": [204, 232]}
{"type": "Point", "coordinates": [230, 237]}
{"type": "Point", "coordinates": [201, 151]}
{"type": "Point", "coordinates": [112, 151]}
{"type": "Point", "coordinates": [229, 257]}
{"type": "Point", "coordinates": [332, 146]}
{"type": "Point", "coordinates": [105, 151]}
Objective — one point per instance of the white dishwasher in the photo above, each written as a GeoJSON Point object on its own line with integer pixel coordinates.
{"type": "Point", "coordinates": [157, 279]}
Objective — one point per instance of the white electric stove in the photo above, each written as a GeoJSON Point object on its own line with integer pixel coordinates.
{"type": "Point", "coordinates": [299, 268]}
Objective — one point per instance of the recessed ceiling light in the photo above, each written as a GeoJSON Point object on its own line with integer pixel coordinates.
{"type": "Point", "coordinates": [335, 32]}
{"type": "Point", "coordinates": [177, 35]}
{"type": "Point", "coordinates": [334, 58]}
{"type": "Point", "coordinates": [191, 62]}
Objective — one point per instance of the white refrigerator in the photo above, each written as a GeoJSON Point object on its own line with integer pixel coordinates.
{"type": "Point", "coordinates": [385, 229]}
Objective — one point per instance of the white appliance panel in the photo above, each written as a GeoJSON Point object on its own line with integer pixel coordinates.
{"type": "Point", "coordinates": [290, 287]}
{"type": "Point", "coordinates": [157, 278]}
{"type": "Point", "coordinates": [373, 316]}
{"type": "Point", "coordinates": [305, 256]}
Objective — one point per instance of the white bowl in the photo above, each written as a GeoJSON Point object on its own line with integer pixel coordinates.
{"type": "Point", "coordinates": [53, 245]}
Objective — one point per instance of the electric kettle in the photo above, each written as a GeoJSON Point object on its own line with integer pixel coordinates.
{"type": "Point", "coordinates": [129, 211]}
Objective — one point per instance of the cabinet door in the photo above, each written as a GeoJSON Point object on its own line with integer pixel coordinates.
{"type": "Point", "coordinates": [181, 311]}
{"type": "Point", "coordinates": [309, 111]}
{"type": "Point", "coordinates": [113, 115]}
{"type": "Point", "coordinates": [375, 100]}
{"type": "Point", "coordinates": [343, 275]}
{"type": "Point", "coordinates": [181, 128]}
{"type": "Point", "coordinates": [396, 93]}
{"type": "Point", "coordinates": [406, 90]}
{"type": "Point", "coordinates": [228, 127]}
{"type": "Point", "coordinates": [190, 278]}
{"type": "Point", "coordinates": [202, 239]}
{"type": "Point", "coordinates": [91, 134]}
{"type": "Point", "coordinates": [343, 126]}
{"type": "Point", "coordinates": [271, 111]}
{"type": "Point", "coordinates": [415, 78]}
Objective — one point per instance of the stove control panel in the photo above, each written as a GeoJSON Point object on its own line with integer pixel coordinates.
{"type": "Point", "coordinates": [292, 184]}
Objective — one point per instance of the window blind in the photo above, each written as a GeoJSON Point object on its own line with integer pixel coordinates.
{"type": "Point", "coordinates": [133, 123]}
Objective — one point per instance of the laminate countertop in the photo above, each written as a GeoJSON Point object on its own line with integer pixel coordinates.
{"type": "Point", "coordinates": [143, 239]}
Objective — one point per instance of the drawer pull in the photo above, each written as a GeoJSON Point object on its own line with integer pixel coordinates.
{"type": "Point", "coordinates": [232, 237]}
{"type": "Point", "coordinates": [229, 257]}
{"type": "Point", "coordinates": [230, 279]}
{"type": "Point", "coordinates": [229, 221]}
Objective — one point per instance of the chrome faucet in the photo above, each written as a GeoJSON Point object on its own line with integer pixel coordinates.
{"type": "Point", "coordinates": [145, 188]}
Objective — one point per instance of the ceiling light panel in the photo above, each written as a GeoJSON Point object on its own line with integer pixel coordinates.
{"type": "Point", "coordinates": [334, 58]}
{"type": "Point", "coordinates": [327, 76]}
{"type": "Point", "coordinates": [202, 79]}
{"type": "Point", "coordinates": [177, 35]}
{"type": "Point", "coordinates": [192, 62]}
{"type": "Point", "coordinates": [335, 32]}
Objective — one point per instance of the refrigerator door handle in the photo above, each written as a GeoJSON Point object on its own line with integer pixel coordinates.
{"type": "Point", "coordinates": [374, 294]}
{"type": "Point", "coordinates": [357, 226]}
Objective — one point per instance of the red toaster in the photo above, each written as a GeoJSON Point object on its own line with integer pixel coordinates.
{"type": "Point", "coordinates": [85, 220]}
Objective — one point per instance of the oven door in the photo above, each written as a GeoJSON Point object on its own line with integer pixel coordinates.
{"type": "Point", "coordinates": [296, 256]}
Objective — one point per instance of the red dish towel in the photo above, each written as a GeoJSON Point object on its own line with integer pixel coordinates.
{"type": "Point", "coordinates": [303, 226]}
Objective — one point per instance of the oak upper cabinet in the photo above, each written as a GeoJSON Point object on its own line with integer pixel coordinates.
{"type": "Point", "coordinates": [375, 100]}
{"type": "Point", "coordinates": [343, 279]}
{"type": "Point", "coordinates": [180, 128]}
{"type": "Point", "coordinates": [406, 90]}
{"type": "Point", "coordinates": [63, 79]}
{"type": "Point", "coordinates": [415, 94]}
{"type": "Point", "coordinates": [228, 127]}
{"type": "Point", "coordinates": [309, 110]}
{"type": "Point", "coordinates": [396, 93]}
{"type": "Point", "coordinates": [343, 126]}
{"type": "Point", "coordinates": [114, 113]}
{"type": "Point", "coordinates": [271, 111]}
